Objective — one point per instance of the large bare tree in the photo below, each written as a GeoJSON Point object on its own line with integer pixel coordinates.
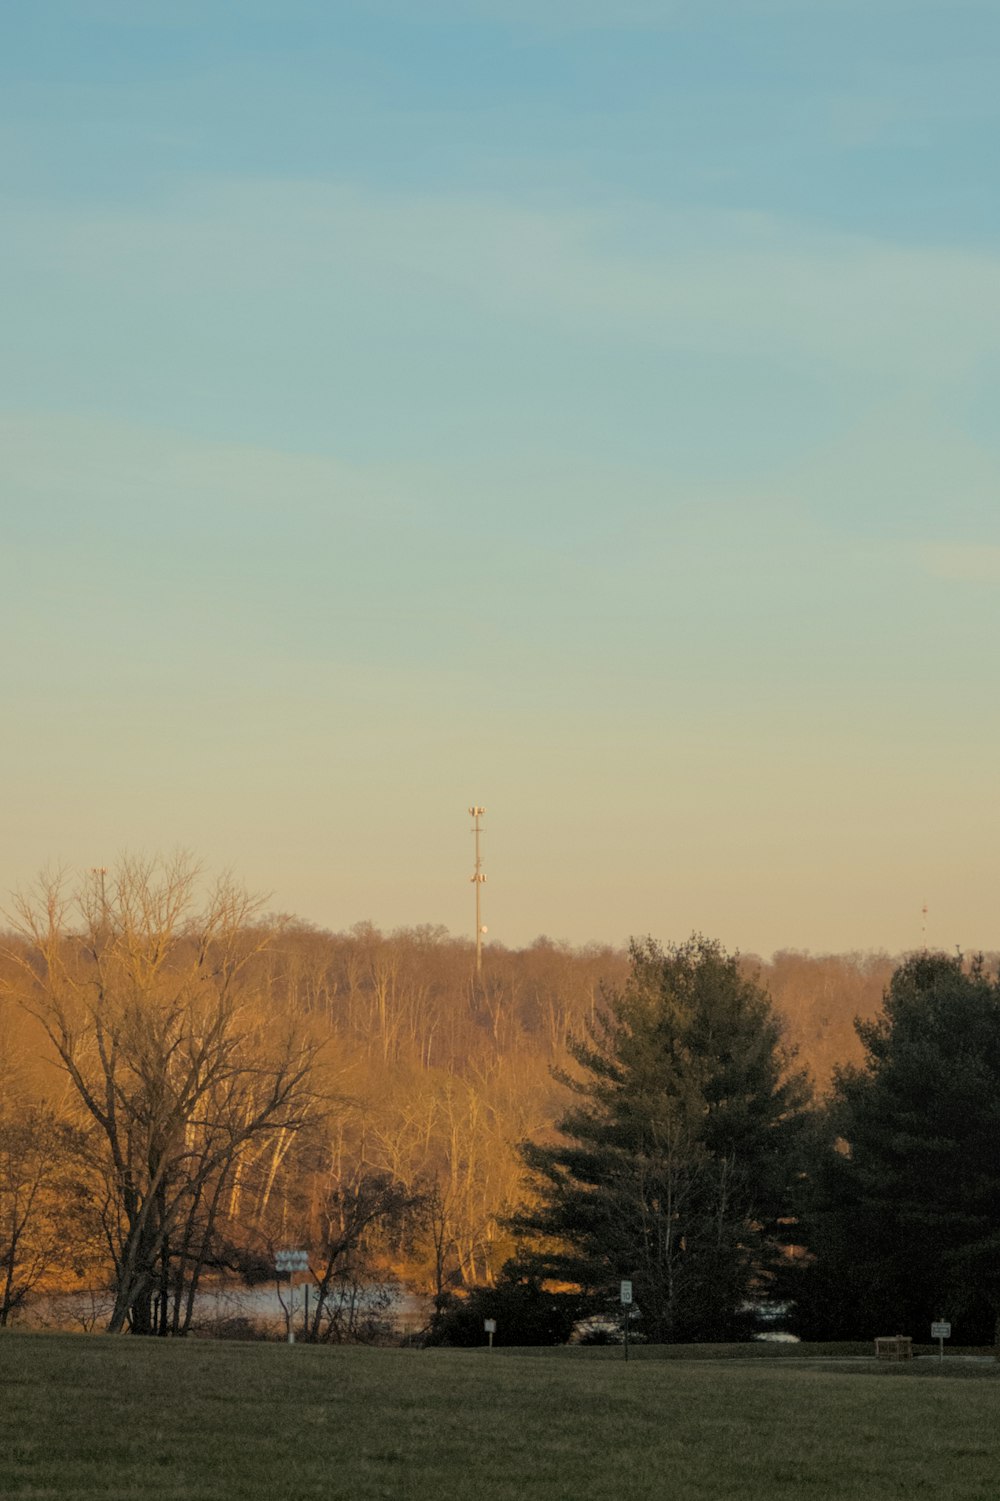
{"type": "Point", "coordinates": [150, 995]}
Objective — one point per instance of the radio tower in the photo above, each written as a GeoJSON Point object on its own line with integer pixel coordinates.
{"type": "Point", "coordinates": [478, 878]}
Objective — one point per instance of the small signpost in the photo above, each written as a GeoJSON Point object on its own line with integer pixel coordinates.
{"type": "Point", "coordinates": [941, 1331]}
{"type": "Point", "coordinates": [490, 1325]}
{"type": "Point", "coordinates": [291, 1262]}
{"type": "Point", "coordinates": [625, 1298]}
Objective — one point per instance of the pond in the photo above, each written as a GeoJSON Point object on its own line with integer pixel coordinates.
{"type": "Point", "coordinates": [218, 1302]}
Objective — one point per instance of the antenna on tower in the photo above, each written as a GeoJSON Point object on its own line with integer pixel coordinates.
{"type": "Point", "coordinates": [478, 878]}
{"type": "Point", "coordinates": [100, 871]}
{"type": "Point", "coordinates": [923, 927]}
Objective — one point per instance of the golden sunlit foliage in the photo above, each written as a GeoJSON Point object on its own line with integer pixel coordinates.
{"type": "Point", "coordinates": [225, 1082]}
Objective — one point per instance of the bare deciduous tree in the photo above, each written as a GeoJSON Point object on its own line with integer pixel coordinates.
{"type": "Point", "coordinates": [38, 1188]}
{"type": "Point", "coordinates": [147, 994]}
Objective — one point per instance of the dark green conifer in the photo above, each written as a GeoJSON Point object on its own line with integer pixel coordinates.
{"type": "Point", "coordinates": [677, 1162]}
{"type": "Point", "coordinates": [903, 1221]}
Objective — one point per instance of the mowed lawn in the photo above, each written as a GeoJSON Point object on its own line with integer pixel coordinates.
{"type": "Point", "coordinates": [89, 1416]}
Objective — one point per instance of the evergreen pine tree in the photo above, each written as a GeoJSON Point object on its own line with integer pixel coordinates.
{"type": "Point", "coordinates": [677, 1162]}
{"type": "Point", "coordinates": [904, 1219]}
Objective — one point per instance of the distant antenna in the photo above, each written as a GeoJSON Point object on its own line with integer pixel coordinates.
{"type": "Point", "coordinates": [478, 878]}
{"type": "Point", "coordinates": [923, 927]}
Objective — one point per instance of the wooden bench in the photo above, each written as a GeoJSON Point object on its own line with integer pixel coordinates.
{"type": "Point", "coordinates": [894, 1347]}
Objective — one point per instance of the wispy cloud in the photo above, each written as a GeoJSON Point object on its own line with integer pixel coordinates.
{"type": "Point", "coordinates": [707, 281]}
{"type": "Point", "coordinates": [581, 15]}
{"type": "Point", "coordinates": [963, 562]}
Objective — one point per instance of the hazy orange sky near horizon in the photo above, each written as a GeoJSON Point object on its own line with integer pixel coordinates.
{"type": "Point", "coordinates": [583, 410]}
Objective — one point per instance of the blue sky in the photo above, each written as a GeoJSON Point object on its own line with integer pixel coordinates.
{"type": "Point", "coordinates": [584, 410]}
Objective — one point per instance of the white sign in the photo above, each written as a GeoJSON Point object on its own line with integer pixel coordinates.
{"type": "Point", "coordinates": [626, 1292]}
{"type": "Point", "coordinates": [941, 1331]}
{"type": "Point", "coordinates": [490, 1325]}
{"type": "Point", "coordinates": [291, 1261]}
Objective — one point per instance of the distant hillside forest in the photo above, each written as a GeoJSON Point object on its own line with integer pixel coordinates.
{"type": "Point", "coordinates": [186, 1085]}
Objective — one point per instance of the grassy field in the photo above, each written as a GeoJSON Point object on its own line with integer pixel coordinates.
{"type": "Point", "coordinates": [89, 1417]}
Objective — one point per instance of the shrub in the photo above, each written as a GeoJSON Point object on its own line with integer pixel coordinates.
{"type": "Point", "coordinates": [525, 1314]}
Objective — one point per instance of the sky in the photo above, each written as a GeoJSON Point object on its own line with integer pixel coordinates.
{"type": "Point", "coordinates": [583, 409]}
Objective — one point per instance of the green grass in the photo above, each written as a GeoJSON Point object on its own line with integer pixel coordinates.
{"type": "Point", "coordinates": [756, 1350]}
{"type": "Point", "coordinates": [94, 1417]}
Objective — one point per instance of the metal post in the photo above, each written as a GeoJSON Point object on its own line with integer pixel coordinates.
{"type": "Point", "coordinates": [625, 1298]}
{"type": "Point", "coordinates": [101, 871]}
{"type": "Point", "coordinates": [291, 1307]}
{"type": "Point", "coordinates": [478, 878]}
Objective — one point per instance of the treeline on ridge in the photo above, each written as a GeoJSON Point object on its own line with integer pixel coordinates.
{"type": "Point", "coordinates": [186, 1084]}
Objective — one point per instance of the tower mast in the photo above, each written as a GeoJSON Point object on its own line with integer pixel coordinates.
{"type": "Point", "coordinates": [478, 878]}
